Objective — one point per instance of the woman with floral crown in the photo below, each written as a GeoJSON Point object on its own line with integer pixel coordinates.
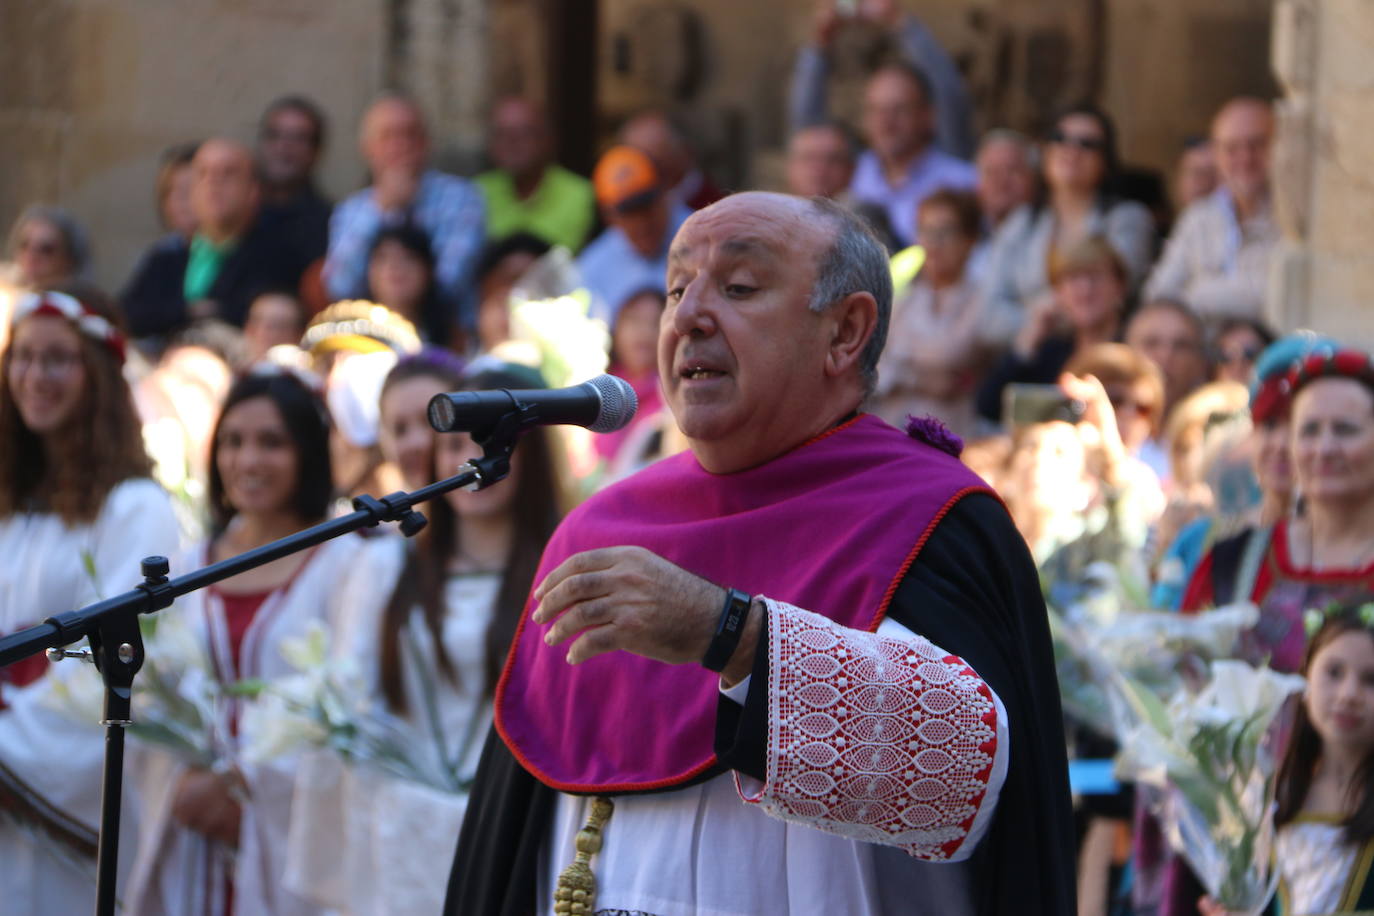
{"type": "Point", "coordinates": [72, 531]}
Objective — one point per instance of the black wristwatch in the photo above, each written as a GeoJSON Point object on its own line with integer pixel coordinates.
{"type": "Point", "coordinates": [729, 629]}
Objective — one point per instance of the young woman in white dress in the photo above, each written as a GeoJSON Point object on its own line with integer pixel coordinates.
{"type": "Point", "coordinates": [428, 621]}
{"type": "Point", "coordinates": [78, 510]}
{"type": "Point", "coordinates": [213, 839]}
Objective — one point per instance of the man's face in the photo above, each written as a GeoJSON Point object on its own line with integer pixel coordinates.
{"type": "Point", "coordinates": [1241, 137]}
{"type": "Point", "coordinates": [741, 356]}
{"type": "Point", "coordinates": [1005, 179]}
{"type": "Point", "coordinates": [224, 191]}
{"type": "Point", "coordinates": [897, 118]}
{"type": "Point", "coordinates": [819, 162]}
{"type": "Point", "coordinates": [1174, 344]}
{"type": "Point", "coordinates": [288, 146]}
{"type": "Point", "coordinates": [394, 138]}
{"type": "Point", "coordinates": [645, 227]}
{"type": "Point", "coordinates": [519, 142]}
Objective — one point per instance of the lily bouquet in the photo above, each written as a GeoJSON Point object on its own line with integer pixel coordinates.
{"type": "Point", "coordinates": [1108, 629]}
{"type": "Point", "coordinates": [1209, 756]}
{"type": "Point", "coordinates": [327, 704]}
{"type": "Point", "coordinates": [176, 695]}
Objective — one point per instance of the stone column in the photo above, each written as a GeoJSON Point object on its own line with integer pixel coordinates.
{"type": "Point", "coordinates": [1323, 167]}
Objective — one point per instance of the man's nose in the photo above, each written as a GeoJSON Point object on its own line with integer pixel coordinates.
{"type": "Point", "coordinates": [694, 312]}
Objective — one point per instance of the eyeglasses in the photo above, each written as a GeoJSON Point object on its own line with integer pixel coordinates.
{"type": "Point", "coordinates": [1091, 144]}
{"type": "Point", "coordinates": [53, 364]}
{"type": "Point", "coordinates": [45, 247]}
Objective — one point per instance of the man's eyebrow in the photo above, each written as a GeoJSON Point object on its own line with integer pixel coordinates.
{"type": "Point", "coordinates": [749, 244]}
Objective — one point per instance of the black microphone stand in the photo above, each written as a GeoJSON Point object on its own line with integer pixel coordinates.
{"type": "Point", "coordinates": [117, 646]}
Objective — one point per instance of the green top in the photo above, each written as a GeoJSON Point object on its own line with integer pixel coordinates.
{"type": "Point", "coordinates": [560, 211]}
{"type": "Point", "coordinates": [203, 266]}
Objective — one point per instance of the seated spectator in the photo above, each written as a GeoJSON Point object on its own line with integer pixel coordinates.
{"type": "Point", "coordinates": [502, 264]}
{"type": "Point", "coordinates": [48, 249]}
{"type": "Point", "coordinates": [1196, 174]}
{"type": "Point", "coordinates": [395, 144]}
{"type": "Point", "coordinates": [902, 166]}
{"type": "Point", "coordinates": [1217, 258]}
{"type": "Point", "coordinates": [232, 256]}
{"type": "Point", "coordinates": [1237, 344]}
{"type": "Point", "coordinates": [175, 179]}
{"type": "Point", "coordinates": [401, 276]}
{"type": "Point", "coordinates": [1084, 308]}
{"type": "Point", "coordinates": [1171, 335]}
{"type": "Point", "coordinates": [290, 140]}
{"type": "Point", "coordinates": [668, 145]}
{"type": "Point", "coordinates": [641, 220]}
{"type": "Point", "coordinates": [1078, 199]}
{"type": "Point", "coordinates": [276, 318]}
{"type": "Point", "coordinates": [914, 45]}
{"type": "Point", "coordinates": [939, 339]}
{"type": "Point", "coordinates": [820, 163]}
{"type": "Point", "coordinates": [526, 191]}
{"type": "Point", "coordinates": [1006, 175]}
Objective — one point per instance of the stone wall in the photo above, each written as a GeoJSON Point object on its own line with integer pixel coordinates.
{"type": "Point", "coordinates": [1324, 168]}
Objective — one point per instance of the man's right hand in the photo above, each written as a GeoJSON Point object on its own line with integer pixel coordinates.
{"type": "Point", "coordinates": [205, 802]}
{"type": "Point", "coordinates": [395, 189]}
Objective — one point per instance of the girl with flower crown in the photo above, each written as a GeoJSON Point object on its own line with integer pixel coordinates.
{"type": "Point", "coordinates": [1324, 849]}
{"type": "Point", "coordinates": [213, 839]}
{"type": "Point", "coordinates": [78, 510]}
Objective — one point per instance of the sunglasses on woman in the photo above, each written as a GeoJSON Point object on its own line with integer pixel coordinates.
{"type": "Point", "coordinates": [1091, 144]}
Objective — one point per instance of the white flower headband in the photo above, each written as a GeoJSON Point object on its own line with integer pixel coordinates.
{"type": "Point", "coordinates": [62, 305]}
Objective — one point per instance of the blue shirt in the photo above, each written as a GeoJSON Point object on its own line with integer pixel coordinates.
{"type": "Point", "coordinates": [929, 173]}
{"type": "Point", "coordinates": [612, 269]}
{"type": "Point", "coordinates": [446, 207]}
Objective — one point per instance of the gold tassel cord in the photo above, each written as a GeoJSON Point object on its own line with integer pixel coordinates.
{"type": "Point", "coordinates": [575, 894]}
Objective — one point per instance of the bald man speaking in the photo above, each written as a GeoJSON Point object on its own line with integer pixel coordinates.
{"type": "Point", "coordinates": [803, 667]}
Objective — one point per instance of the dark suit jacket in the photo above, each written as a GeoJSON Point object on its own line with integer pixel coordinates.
{"type": "Point", "coordinates": [153, 302]}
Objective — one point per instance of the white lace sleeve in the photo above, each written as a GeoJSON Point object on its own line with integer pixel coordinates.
{"type": "Point", "coordinates": [881, 738]}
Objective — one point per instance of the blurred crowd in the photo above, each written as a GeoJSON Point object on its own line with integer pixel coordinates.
{"type": "Point", "coordinates": [1095, 337]}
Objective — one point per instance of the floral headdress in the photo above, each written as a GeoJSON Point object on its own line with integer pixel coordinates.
{"type": "Point", "coordinates": [1313, 619]}
{"type": "Point", "coordinates": [86, 321]}
{"type": "Point", "coordinates": [1346, 362]}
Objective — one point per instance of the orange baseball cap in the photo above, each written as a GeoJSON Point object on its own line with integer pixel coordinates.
{"type": "Point", "coordinates": [625, 179]}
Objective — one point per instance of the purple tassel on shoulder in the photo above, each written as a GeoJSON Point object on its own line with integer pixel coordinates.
{"type": "Point", "coordinates": [932, 432]}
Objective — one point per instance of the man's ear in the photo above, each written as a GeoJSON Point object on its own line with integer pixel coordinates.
{"type": "Point", "coordinates": [854, 320]}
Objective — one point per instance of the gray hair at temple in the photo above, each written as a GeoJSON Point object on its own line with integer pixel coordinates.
{"type": "Point", "coordinates": [73, 235]}
{"type": "Point", "coordinates": [1012, 138]}
{"type": "Point", "coordinates": [855, 262]}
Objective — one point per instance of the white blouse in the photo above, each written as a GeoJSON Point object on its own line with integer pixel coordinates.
{"type": "Point", "coordinates": [1314, 864]}
{"type": "Point", "coordinates": [44, 570]}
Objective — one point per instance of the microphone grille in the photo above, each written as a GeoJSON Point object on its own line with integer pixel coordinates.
{"type": "Point", "coordinates": [618, 403]}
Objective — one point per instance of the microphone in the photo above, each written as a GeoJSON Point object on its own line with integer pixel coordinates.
{"type": "Point", "coordinates": [603, 405]}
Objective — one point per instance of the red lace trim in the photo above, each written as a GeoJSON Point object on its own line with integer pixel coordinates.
{"type": "Point", "coordinates": [882, 740]}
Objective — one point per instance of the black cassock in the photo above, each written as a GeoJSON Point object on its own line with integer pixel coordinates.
{"type": "Point", "coordinates": [974, 592]}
